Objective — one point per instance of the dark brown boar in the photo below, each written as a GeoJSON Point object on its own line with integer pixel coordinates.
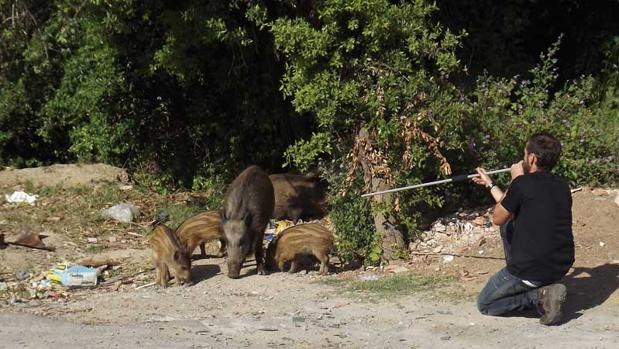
{"type": "Point", "coordinates": [300, 241]}
{"type": "Point", "coordinates": [201, 228]}
{"type": "Point", "coordinates": [247, 209]}
{"type": "Point", "coordinates": [169, 254]}
{"type": "Point", "coordinates": [298, 197]}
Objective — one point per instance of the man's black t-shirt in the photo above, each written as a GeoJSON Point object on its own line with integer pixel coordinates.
{"type": "Point", "coordinates": [542, 245]}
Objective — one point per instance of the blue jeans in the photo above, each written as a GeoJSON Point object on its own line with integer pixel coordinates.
{"type": "Point", "coordinates": [505, 292]}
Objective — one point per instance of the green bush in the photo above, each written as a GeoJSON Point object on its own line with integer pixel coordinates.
{"type": "Point", "coordinates": [504, 112]}
{"type": "Point", "coordinates": [384, 67]}
{"type": "Point", "coordinates": [354, 227]}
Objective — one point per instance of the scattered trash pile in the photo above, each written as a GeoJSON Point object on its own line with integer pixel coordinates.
{"type": "Point", "coordinates": [457, 233]}
{"type": "Point", "coordinates": [276, 227]}
{"type": "Point", "coordinates": [26, 287]}
{"type": "Point", "coordinates": [63, 279]}
{"type": "Point", "coordinates": [53, 284]}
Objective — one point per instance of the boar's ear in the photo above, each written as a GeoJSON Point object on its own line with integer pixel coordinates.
{"type": "Point", "coordinates": [177, 256]}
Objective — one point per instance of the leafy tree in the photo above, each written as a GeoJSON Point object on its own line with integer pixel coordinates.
{"type": "Point", "coordinates": [375, 75]}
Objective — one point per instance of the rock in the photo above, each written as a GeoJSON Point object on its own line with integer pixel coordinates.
{"type": "Point", "coordinates": [481, 221]}
{"type": "Point", "coordinates": [467, 228]}
{"type": "Point", "coordinates": [31, 240]}
{"type": "Point", "coordinates": [92, 240]}
{"type": "Point", "coordinates": [413, 246]}
{"type": "Point", "coordinates": [617, 200]}
{"type": "Point", "coordinates": [448, 259]}
{"type": "Point", "coordinates": [437, 249]}
{"type": "Point", "coordinates": [602, 244]}
{"type": "Point", "coordinates": [112, 239]}
{"type": "Point", "coordinates": [22, 275]}
{"type": "Point", "coordinates": [481, 241]}
{"type": "Point", "coordinates": [53, 219]}
{"type": "Point", "coordinates": [445, 338]}
{"type": "Point", "coordinates": [599, 192]}
{"type": "Point", "coordinates": [439, 227]}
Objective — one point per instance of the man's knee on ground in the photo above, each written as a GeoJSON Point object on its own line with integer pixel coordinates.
{"type": "Point", "coordinates": [485, 306]}
{"type": "Point", "coordinates": [482, 305]}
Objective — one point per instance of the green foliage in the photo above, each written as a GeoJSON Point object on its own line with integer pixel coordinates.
{"type": "Point", "coordinates": [179, 213]}
{"type": "Point", "coordinates": [383, 66]}
{"type": "Point", "coordinates": [186, 94]}
{"type": "Point", "coordinates": [608, 88]}
{"type": "Point", "coordinates": [354, 227]}
{"type": "Point", "coordinates": [506, 111]}
{"type": "Point", "coordinates": [214, 184]}
{"type": "Point", "coordinates": [303, 153]}
{"type": "Point", "coordinates": [160, 85]}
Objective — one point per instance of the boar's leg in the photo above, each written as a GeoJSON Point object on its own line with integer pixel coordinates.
{"type": "Point", "coordinates": [281, 264]}
{"type": "Point", "coordinates": [163, 274]}
{"type": "Point", "coordinates": [202, 250]}
{"type": "Point", "coordinates": [294, 266]}
{"type": "Point", "coordinates": [259, 257]}
{"type": "Point", "coordinates": [222, 249]}
{"type": "Point", "coordinates": [324, 264]}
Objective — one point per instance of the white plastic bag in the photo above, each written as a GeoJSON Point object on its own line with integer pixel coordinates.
{"type": "Point", "coordinates": [124, 213]}
{"type": "Point", "coordinates": [20, 196]}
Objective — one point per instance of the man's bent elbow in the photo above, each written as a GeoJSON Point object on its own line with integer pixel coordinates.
{"type": "Point", "coordinates": [499, 221]}
{"type": "Point", "coordinates": [500, 215]}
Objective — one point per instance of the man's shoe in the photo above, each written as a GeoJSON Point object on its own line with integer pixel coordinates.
{"type": "Point", "coordinates": [551, 298]}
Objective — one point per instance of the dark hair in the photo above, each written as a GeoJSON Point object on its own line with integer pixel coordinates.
{"type": "Point", "coordinates": [547, 149]}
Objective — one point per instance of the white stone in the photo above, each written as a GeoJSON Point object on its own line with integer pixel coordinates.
{"type": "Point", "coordinates": [439, 227]}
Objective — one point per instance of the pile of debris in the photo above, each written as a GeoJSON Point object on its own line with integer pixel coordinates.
{"type": "Point", "coordinates": [457, 233]}
{"type": "Point", "coordinates": [24, 288]}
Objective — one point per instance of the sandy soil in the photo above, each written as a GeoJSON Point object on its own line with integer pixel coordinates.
{"type": "Point", "coordinates": [305, 310]}
{"type": "Point", "coordinates": [68, 175]}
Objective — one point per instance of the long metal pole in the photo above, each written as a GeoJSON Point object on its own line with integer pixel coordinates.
{"type": "Point", "coordinates": [448, 180]}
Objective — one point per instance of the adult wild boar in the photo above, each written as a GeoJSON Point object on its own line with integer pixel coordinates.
{"type": "Point", "coordinates": [298, 197]}
{"type": "Point", "coordinates": [247, 209]}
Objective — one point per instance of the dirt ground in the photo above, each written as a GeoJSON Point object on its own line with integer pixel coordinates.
{"type": "Point", "coordinates": [302, 310]}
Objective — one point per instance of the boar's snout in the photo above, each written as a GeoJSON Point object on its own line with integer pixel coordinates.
{"type": "Point", "coordinates": [234, 270]}
{"type": "Point", "coordinates": [184, 280]}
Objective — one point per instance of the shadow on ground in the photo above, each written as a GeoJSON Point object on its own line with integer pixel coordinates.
{"type": "Point", "coordinates": [588, 288]}
{"type": "Point", "coordinates": [203, 272]}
